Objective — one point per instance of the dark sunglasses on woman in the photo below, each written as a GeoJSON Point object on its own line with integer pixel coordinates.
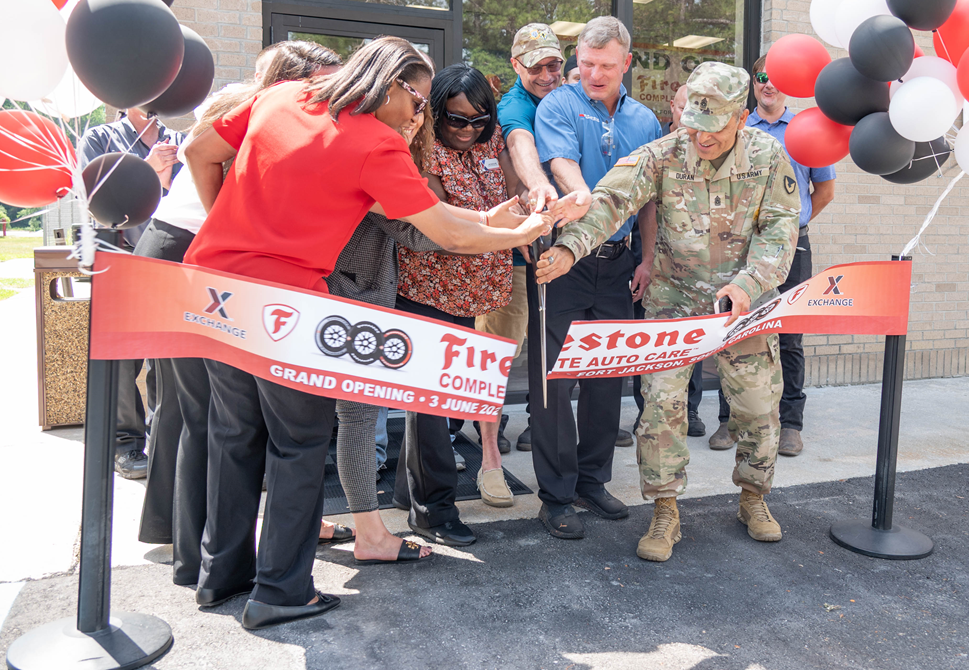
{"type": "Point", "coordinates": [457, 121]}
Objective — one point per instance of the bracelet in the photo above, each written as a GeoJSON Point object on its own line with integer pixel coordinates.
{"type": "Point", "coordinates": [483, 219]}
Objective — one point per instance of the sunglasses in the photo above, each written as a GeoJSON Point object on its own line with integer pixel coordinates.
{"type": "Point", "coordinates": [553, 68]}
{"type": "Point", "coordinates": [457, 121]}
{"type": "Point", "coordinates": [761, 78]}
{"type": "Point", "coordinates": [423, 101]}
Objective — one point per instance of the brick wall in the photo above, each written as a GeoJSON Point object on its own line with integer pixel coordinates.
{"type": "Point", "coordinates": [870, 219]}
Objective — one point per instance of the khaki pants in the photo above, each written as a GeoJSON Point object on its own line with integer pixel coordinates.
{"type": "Point", "coordinates": [750, 375]}
{"type": "Point", "coordinates": [511, 320]}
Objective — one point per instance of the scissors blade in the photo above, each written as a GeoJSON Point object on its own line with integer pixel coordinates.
{"type": "Point", "coordinates": [541, 317]}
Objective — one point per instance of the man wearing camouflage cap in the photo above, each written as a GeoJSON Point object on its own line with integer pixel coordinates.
{"type": "Point", "coordinates": [727, 228]}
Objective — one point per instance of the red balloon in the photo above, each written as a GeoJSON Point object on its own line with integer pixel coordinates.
{"type": "Point", "coordinates": [962, 76]}
{"type": "Point", "coordinates": [36, 160]}
{"type": "Point", "coordinates": [814, 140]}
{"type": "Point", "coordinates": [918, 51]}
{"type": "Point", "coordinates": [952, 38]}
{"type": "Point", "coordinates": [59, 3]}
{"type": "Point", "coordinates": [794, 63]}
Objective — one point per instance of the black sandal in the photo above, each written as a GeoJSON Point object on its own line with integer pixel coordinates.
{"type": "Point", "coordinates": [409, 553]}
{"type": "Point", "coordinates": [340, 534]}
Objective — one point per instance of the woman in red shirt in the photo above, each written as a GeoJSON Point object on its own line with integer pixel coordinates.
{"type": "Point", "coordinates": [310, 161]}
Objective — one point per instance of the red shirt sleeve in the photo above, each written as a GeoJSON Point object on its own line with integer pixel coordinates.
{"type": "Point", "coordinates": [390, 177]}
{"type": "Point", "coordinates": [233, 126]}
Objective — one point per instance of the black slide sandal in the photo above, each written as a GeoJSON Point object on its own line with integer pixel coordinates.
{"type": "Point", "coordinates": [341, 533]}
{"type": "Point", "coordinates": [410, 552]}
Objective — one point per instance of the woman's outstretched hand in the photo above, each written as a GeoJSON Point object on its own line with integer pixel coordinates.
{"type": "Point", "coordinates": [535, 225]}
{"type": "Point", "coordinates": [506, 215]}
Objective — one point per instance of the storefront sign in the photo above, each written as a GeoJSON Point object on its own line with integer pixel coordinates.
{"type": "Point", "coordinates": [147, 308]}
{"type": "Point", "coordinates": [854, 299]}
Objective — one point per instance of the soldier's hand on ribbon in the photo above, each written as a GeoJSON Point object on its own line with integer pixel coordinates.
{"type": "Point", "coordinates": [739, 298]}
{"type": "Point", "coordinates": [641, 279]}
{"type": "Point", "coordinates": [571, 207]}
{"type": "Point", "coordinates": [554, 263]}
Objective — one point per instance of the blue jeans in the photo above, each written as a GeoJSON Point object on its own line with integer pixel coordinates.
{"type": "Point", "coordinates": [381, 441]}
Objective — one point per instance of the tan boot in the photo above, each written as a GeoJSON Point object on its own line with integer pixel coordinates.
{"type": "Point", "coordinates": [664, 532]}
{"type": "Point", "coordinates": [721, 439]}
{"type": "Point", "coordinates": [754, 514]}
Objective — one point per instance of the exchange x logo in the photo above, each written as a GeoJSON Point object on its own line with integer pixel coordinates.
{"type": "Point", "coordinates": [218, 303]}
{"type": "Point", "coordinates": [833, 285]}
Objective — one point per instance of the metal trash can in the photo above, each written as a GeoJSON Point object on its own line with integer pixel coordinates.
{"type": "Point", "coordinates": [63, 299]}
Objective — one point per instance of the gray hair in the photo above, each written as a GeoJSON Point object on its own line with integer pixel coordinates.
{"type": "Point", "coordinates": [603, 29]}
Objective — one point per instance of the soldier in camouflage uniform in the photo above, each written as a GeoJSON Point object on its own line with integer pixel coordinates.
{"type": "Point", "coordinates": [727, 228]}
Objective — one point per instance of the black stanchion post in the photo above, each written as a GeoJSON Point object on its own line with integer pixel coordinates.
{"type": "Point", "coordinates": [881, 538]}
{"type": "Point", "coordinates": [96, 639]}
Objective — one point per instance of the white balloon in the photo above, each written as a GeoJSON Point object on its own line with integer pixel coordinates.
{"type": "Point", "coordinates": [962, 149]}
{"type": "Point", "coordinates": [823, 14]}
{"type": "Point", "coordinates": [69, 100]}
{"type": "Point", "coordinates": [937, 68]}
{"type": "Point", "coordinates": [922, 109]}
{"type": "Point", "coordinates": [33, 54]}
{"type": "Point", "coordinates": [852, 13]}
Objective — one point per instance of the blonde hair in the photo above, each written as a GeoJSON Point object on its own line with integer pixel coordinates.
{"type": "Point", "coordinates": [368, 76]}
{"type": "Point", "coordinates": [292, 60]}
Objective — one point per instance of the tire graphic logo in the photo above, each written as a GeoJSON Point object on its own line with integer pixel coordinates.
{"type": "Point", "coordinates": [364, 342]}
{"type": "Point", "coordinates": [756, 316]}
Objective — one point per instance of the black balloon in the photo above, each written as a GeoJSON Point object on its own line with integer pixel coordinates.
{"type": "Point", "coordinates": [877, 148]}
{"type": "Point", "coordinates": [922, 14]}
{"type": "Point", "coordinates": [928, 158]}
{"type": "Point", "coordinates": [126, 53]}
{"type": "Point", "coordinates": [128, 192]}
{"type": "Point", "coordinates": [882, 48]}
{"type": "Point", "coordinates": [846, 96]}
{"type": "Point", "coordinates": [193, 82]}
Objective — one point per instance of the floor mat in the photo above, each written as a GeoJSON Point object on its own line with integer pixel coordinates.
{"type": "Point", "coordinates": [336, 499]}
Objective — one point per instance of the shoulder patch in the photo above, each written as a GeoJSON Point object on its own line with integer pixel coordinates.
{"type": "Point", "coordinates": [790, 184]}
{"type": "Point", "coordinates": [628, 161]}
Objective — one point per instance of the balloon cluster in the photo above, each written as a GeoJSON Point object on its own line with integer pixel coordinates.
{"type": "Point", "coordinates": [888, 105]}
{"type": "Point", "coordinates": [67, 63]}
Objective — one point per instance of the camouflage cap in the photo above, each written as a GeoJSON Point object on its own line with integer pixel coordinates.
{"type": "Point", "coordinates": [533, 43]}
{"type": "Point", "coordinates": [714, 93]}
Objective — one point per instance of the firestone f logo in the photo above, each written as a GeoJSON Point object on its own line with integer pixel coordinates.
{"type": "Point", "coordinates": [833, 285]}
{"type": "Point", "coordinates": [279, 321]}
{"type": "Point", "coordinates": [218, 303]}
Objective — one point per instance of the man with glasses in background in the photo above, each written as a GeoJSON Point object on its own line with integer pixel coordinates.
{"type": "Point", "coordinates": [582, 131]}
{"type": "Point", "coordinates": [537, 59]}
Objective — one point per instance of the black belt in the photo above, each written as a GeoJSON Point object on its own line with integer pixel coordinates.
{"type": "Point", "coordinates": [802, 231]}
{"type": "Point", "coordinates": [609, 251]}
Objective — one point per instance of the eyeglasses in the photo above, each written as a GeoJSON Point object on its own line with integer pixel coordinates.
{"type": "Point", "coordinates": [608, 141]}
{"type": "Point", "coordinates": [423, 101]}
{"type": "Point", "coordinates": [761, 78]}
{"type": "Point", "coordinates": [553, 68]}
{"type": "Point", "coordinates": [457, 121]}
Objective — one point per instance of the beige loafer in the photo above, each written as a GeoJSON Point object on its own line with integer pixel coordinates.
{"type": "Point", "coordinates": [494, 490]}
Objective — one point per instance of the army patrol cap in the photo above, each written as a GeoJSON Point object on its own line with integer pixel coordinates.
{"type": "Point", "coordinates": [714, 93]}
{"type": "Point", "coordinates": [534, 43]}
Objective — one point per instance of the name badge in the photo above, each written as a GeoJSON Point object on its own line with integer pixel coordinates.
{"type": "Point", "coordinates": [678, 175]}
{"type": "Point", "coordinates": [490, 164]}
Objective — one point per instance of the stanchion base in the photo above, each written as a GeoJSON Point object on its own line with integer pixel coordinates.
{"type": "Point", "coordinates": [131, 640]}
{"type": "Point", "coordinates": [898, 544]}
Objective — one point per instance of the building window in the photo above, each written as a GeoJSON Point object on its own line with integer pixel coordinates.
{"type": "Point", "coordinates": [490, 27]}
{"type": "Point", "coordinates": [671, 37]}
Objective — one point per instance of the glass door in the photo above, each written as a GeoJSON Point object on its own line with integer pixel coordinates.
{"type": "Point", "coordinates": [345, 37]}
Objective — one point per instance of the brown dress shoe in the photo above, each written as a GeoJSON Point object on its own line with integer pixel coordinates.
{"type": "Point", "coordinates": [791, 444]}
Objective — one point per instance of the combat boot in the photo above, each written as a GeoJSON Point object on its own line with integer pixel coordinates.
{"type": "Point", "coordinates": [754, 514]}
{"type": "Point", "coordinates": [664, 532]}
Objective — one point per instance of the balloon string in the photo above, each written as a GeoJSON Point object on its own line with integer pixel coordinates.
{"type": "Point", "coordinates": [114, 167]}
{"type": "Point", "coordinates": [944, 47]}
{"type": "Point", "coordinates": [50, 141]}
{"type": "Point", "coordinates": [928, 219]}
{"type": "Point", "coordinates": [29, 143]}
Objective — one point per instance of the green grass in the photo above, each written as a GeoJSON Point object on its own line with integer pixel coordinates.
{"type": "Point", "coordinates": [19, 247]}
{"type": "Point", "coordinates": [4, 293]}
{"type": "Point", "coordinates": [15, 284]}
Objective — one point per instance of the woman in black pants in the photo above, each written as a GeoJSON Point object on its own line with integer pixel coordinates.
{"type": "Point", "coordinates": [174, 507]}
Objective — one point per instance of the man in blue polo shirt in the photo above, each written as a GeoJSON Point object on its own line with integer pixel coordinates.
{"type": "Point", "coordinates": [772, 116]}
{"type": "Point", "coordinates": [583, 130]}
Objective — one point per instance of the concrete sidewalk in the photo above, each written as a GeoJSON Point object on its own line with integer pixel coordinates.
{"type": "Point", "coordinates": [519, 598]}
